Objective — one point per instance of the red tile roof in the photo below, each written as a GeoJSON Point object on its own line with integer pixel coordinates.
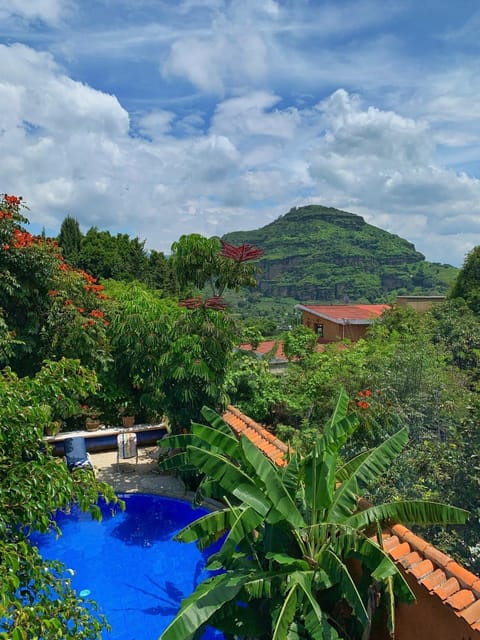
{"type": "Point", "coordinates": [346, 313]}
{"type": "Point", "coordinates": [272, 447]}
{"type": "Point", "coordinates": [266, 347]}
{"type": "Point", "coordinates": [437, 572]}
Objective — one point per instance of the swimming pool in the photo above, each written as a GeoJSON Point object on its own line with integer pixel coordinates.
{"type": "Point", "coordinates": [129, 563]}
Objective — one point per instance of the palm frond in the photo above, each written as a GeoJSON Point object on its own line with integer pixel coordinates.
{"type": "Point", "coordinates": [372, 466]}
{"type": "Point", "coordinates": [216, 421]}
{"type": "Point", "coordinates": [406, 511]}
{"type": "Point", "coordinates": [339, 573]}
{"type": "Point", "coordinates": [347, 469]}
{"type": "Point", "coordinates": [198, 608]}
{"type": "Point", "coordinates": [286, 614]}
{"type": "Point", "coordinates": [272, 482]}
{"type": "Point", "coordinates": [227, 444]}
{"type": "Point", "coordinates": [207, 528]}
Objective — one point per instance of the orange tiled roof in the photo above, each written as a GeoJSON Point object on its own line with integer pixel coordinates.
{"type": "Point", "coordinates": [268, 444]}
{"type": "Point", "coordinates": [266, 347]}
{"type": "Point", "coordinates": [435, 571]}
{"type": "Point", "coordinates": [346, 313]}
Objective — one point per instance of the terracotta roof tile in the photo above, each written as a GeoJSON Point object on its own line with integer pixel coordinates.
{"type": "Point", "coordinates": [457, 587]}
{"type": "Point", "coordinates": [400, 550]}
{"type": "Point", "coordinates": [422, 569]}
{"type": "Point", "coordinates": [434, 580]}
{"type": "Point", "coordinates": [447, 589]}
{"type": "Point", "coordinates": [461, 599]}
{"type": "Point", "coordinates": [472, 613]}
{"type": "Point", "coordinates": [410, 560]}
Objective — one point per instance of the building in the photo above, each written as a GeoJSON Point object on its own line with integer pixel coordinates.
{"type": "Point", "coordinates": [335, 322]}
{"type": "Point", "coordinates": [419, 303]}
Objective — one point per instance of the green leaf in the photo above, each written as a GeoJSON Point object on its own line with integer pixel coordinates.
{"type": "Point", "coordinates": [231, 478]}
{"type": "Point", "coordinates": [226, 443]}
{"type": "Point", "coordinates": [274, 488]}
{"type": "Point", "coordinates": [372, 466]}
{"type": "Point", "coordinates": [409, 511]}
{"type": "Point", "coordinates": [340, 411]}
{"type": "Point", "coordinates": [244, 521]}
{"type": "Point", "coordinates": [338, 572]}
{"type": "Point", "coordinates": [286, 614]}
{"type": "Point", "coordinates": [216, 421]}
{"type": "Point", "coordinates": [198, 608]}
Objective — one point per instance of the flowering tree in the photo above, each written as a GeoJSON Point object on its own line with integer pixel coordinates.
{"type": "Point", "coordinates": [49, 308]}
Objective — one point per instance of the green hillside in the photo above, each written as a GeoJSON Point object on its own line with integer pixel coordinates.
{"type": "Point", "coordinates": [322, 254]}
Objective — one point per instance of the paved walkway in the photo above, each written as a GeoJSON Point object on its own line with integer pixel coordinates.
{"type": "Point", "coordinates": [129, 477]}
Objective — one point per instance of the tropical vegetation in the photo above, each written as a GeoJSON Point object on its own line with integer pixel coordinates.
{"type": "Point", "coordinates": [295, 535]}
{"type": "Point", "coordinates": [93, 324]}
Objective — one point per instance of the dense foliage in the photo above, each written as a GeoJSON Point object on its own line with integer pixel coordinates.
{"type": "Point", "coordinates": [292, 535]}
{"type": "Point", "coordinates": [36, 598]}
{"type": "Point", "coordinates": [419, 371]}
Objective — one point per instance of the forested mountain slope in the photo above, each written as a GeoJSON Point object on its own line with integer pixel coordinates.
{"type": "Point", "coordinates": [324, 254]}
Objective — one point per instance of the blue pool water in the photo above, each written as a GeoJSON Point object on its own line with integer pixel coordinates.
{"type": "Point", "coordinates": [129, 563]}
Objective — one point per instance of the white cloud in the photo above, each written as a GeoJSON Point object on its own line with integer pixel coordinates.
{"type": "Point", "coordinates": [51, 12]}
{"type": "Point", "coordinates": [68, 149]}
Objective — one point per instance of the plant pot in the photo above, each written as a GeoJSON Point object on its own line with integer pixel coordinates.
{"type": "Point", "coordinates": [92, 425]}
{"type": "Point", "coordinates": [128, 421]}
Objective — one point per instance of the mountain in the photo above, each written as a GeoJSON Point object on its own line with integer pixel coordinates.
{"type": "Point", "coordinates": [317, 253]}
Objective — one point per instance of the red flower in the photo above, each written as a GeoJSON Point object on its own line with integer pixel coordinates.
{"type": "Point", "coordinates": [53, 292]}
{"type": "Point", "coordinates": [243, 253]}
{"type": "Point", "coordinates": [368, 393]}
{"type": "Point", "coordinates": [12, 200]}
{"type": "Point", "coordinates": [363, 405]}
{"type": "Point", "coordinates": [80, 310]}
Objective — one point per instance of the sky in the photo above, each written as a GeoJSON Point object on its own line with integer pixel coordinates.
{"type": "Point", "coordinates": [159, 118]}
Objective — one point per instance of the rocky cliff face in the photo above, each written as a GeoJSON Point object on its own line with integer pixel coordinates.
{"type": "Point", "coordinates": [324, 254]}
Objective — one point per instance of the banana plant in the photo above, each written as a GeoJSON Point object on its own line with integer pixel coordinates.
{"type": "Point", "coordinates": [299, 559]}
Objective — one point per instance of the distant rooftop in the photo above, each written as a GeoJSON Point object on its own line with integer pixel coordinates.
{"type": "Point", "coordinates": [346, 313]}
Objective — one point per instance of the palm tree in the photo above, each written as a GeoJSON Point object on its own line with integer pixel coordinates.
{"type": "Point", "coordinates": [299, 559]}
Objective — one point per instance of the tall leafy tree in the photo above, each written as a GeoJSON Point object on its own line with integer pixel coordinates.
{"type": "Point", "coordinates": [49, 308]}
{"type": "Point", "coordinates": [70, 239]}
{"type": "Point", "coordinates": [291, 535]}
{"type": "Point", "coordinates": [467, 284]}
{"type": "Point", "coordinates": [194, 367]}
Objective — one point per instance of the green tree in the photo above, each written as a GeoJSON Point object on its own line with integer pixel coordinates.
{"type": "Point", "coordinates": [139, 333]}
{"type": "Point", "coordinates": [201, 262]}
{"type": "Point", "coordinates": [292, 533]}
{"type": "Point", "coordinates": [70, 239]}
{"type": "Point", "coordinates": [106, 256]}
{"type": "Point", "coordinates": [36, 597]}
{"type": "Point", "coordinates": [194, 367]}
{"type": "Point", "coordinates": [467, 284]}
{"type": "Point", "coordinates": [49, 308]}
{"type": "Point", "coordinates": [299, 342]}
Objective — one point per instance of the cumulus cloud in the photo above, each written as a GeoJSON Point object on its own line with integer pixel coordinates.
{"type": "Point", "coordinates": [71, 149]}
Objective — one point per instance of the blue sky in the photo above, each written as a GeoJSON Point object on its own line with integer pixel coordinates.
{"type": "Point", "coordinates": [164, 117]}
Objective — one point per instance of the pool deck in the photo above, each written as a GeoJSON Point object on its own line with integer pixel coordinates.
{"type": "Point", "coordinates": [130, 477]}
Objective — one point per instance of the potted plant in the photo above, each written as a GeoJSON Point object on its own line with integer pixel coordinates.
{"type": "Point", "coordinates": [127, 413]}
{"type": "Point", "coordinates": [92, 420]}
